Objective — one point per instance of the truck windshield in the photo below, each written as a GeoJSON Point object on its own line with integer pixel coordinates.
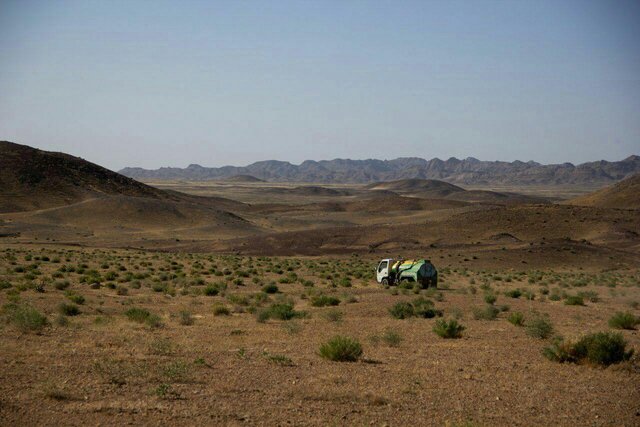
{"type": "Point", "coordinates": [383, 265]}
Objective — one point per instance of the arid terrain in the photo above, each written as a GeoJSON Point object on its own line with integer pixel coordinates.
{"type": "Point", "coordinates": [212, 302]}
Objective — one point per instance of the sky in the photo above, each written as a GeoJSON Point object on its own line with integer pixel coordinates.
{"type": "Point", "coordinates": [158, 83]}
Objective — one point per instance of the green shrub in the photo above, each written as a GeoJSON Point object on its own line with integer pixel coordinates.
{"type": "Point", "coordinates": [68, 309]}
{"type": "Point", "coordinates": [271, 288]}
{"type": "Point", "coordinates": [76, 298]}
{"type": "Point", "coordinates": [140, 315]}
{"type": "Point", "coordinates": [324, 300]}
{"type": "Point", "coordinates": [221, 310]}
{"type": "Point", "coordinates": [448, 329]}
{"type": "Point", "coordinates": [624, 320]}
{"type": "Point", "coordinates": [602, 348]}
{"type": "Point", "coordinates": [490, 299]}
{"type": "Point", "coordinates": [61, 285]}
{"type": "Point", "coordinates": [333, 315]}
{"type": "Point", "coordinates": [211, 290]}
{"type": "Point", "coordinates": [516, 318]}
{"type": "Point", "coordinates": [590, 296]}
{"type": "Point", "coordinates": [574, 300]}
{"type": "Point", "coordinates": [391, 338]}
{"type": "Point", "coordinates": [423, 307]}
{"type": "Point", "coordinates": [186, 318]}
{"type": "Point", "coordinates": [136, 314]}
{"type": "Point", "coordinates": [25, 318]}
{"type": "Point", "coordinates": [279, 311]}
{"type": "Point", "coordinates": [402, 310]}
{"type": "Point", "coordinates": [489, 312]}
{"type": "Point", "coordinates": [539, 326]}
{"type": "Point", "coordinates": [514, 293]}
{"type": "Point", "coordinates": [341, 349]}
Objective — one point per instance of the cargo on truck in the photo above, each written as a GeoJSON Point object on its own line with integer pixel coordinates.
{"type": "Point", "coordinates": [395, 271]}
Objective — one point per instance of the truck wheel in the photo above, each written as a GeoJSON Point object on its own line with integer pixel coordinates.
{"type": "Point", "coordinates": [385, 282]}
{"type": "Point", "coordinates": [434, 282]}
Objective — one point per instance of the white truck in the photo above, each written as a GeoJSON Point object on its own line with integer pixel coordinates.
{"type": "Point", "coordinates": [393, 272]}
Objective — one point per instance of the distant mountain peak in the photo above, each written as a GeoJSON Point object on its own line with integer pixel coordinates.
{"type": "Point", "coordinates": [470, 171]}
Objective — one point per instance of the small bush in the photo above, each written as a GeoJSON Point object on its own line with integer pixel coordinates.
{"type": "Point", "coordinates": [140, 315]}
{"type": "Point", "coordinates": [341, 349]}
{"type": "Point", "coordinates": [624, 320]}
{"type": "Point", "coordinates": [391, 338]}
{"type": "Point", "coordinates": [514, 293]}
{"type": "Point", "coordinates": [574, 300]}
{"type": "Point", "coordinates": [26, 318]}
{"type": "Point", "coordinates": [324, 300]}
{"type": "Point", "coordinates": [423, 307]}
{"type": "Point", "coordinates": [602, 348]}
{"type": "Point", "coordinates": [590, 296]}
{"type": "Point", "coordinates": [76, 298]}
{"type": "Point", "coordinates": [186, 318]}
{"type": "Point", "coordinates": [333, 315]}
{"type": "Point", "coordinates": [136, 314]}
{"type": "Point", "coordinates": [489, 312]}
{"type": "Point", "coordinates": [516, 318]}
{"type": "Point", "coordinates": [68, 309]}
{"type": "Point", "coordinates": [448, 329]}
{"type": "Point", "coordinates": [402, 310]}
{"type": "Point", "coordinates": [490, 299]}
{"type": "Point", "coordinates": [221, 310]}
{"type": "Point", "coordinates": [539, 327]}
{"type": "Point", "coordinates": [271, 288]}
{"type": "Point", "coordinates": [211, 290]}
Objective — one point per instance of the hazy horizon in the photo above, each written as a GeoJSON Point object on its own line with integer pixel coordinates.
{"type": "Point", "coordinates": [139, 84]}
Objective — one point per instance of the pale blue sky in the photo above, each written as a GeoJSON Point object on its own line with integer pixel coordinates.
{"type": "Point", "coordinates": [154, 83]}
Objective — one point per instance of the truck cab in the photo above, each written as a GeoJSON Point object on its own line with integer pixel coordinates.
{"type": "Point", "coordinates": [382, 272]}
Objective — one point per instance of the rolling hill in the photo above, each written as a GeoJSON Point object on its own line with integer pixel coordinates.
{"type": "Point", "coordinates": [623, 195]}
{"type": "Point", "coordinates": [57, 193]}
{"type": "Point", "coordinates": [35, 179]}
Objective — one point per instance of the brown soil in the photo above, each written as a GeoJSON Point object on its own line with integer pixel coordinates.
{"type": "Point", "coordinates": [232, 370]}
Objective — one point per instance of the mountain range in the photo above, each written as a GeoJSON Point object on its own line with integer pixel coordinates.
{"type": "Point", "coordinates": [469, 171]}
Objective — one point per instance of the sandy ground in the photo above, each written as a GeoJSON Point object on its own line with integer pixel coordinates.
{"type": "Point", "coordinates": [103, 369]}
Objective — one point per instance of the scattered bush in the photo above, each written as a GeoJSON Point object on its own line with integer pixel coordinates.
{"type": "Point", "coordinates": [324, 300]}
{"type": "Point", "coordinates": [68, 309]}
{"type": "Point", "coordinates": [624, 320]}
{"type": "Point", "coordinates": [25, 318]}
{"type": "Point", "coordinates": [489, 312]}
{"type": "Point", "coordinates": [448, 329]}
{"type": "Point", "coordinates": [136, 314]}
{"type": "Point", "coordinates": [279, 311]}
{"type": "Point", "coordinates": [423, 307]}
{"type": "Point", "coordinates": [490, 299]}
{"type": "Point", "coordinates": [341, 349]}
{"type": "Point", "coordinates": [271, 288]}
{"type": "Point", "coordinates": [514, 293]}
{"type": "Point", "coordinates": [186, 318]}
{"type": "Point", "coordinates": [333, 315]}
{"type": "Point", "coordinates": [391, 338]}
{"type": "Point", "coordinates": [211, 290]}
{"type": "Point", "coordinates": [539, 327]}
{"type": "Point", "coordinates": [76, 298]}
{"type": "Point", "coordinates": [221, 310]}
{"type": "Point", "coordinates": [574, 300]}
{"type": "Point", "coordinates": [402, 310]}
{"type": "Point", "coordinates": [140, 315]}
{"type": "Point", "coordinates": [602, 348]}
{"type": "Point", "coordinates": [516, 318]}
